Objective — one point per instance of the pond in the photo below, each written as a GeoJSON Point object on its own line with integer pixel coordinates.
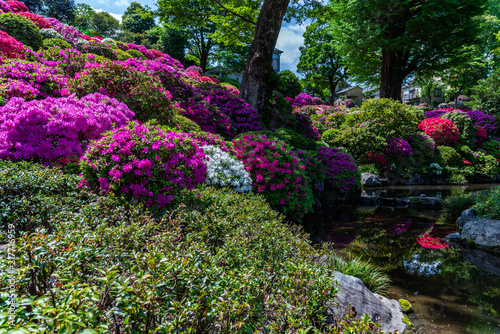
{"type": "Point", "coordinates": [452, 289]}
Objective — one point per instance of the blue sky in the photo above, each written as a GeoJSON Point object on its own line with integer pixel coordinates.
{"type": "Point", "coordinates": [289, 40]}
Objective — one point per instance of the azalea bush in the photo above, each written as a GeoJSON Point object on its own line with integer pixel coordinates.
{"type": "Point", "coordinates": [484, 120]}
{"type": "Point", "coordinates": [47, 130]}
{"type": "Point", "coordinates": [50, 33]}
{"type": "Point", "coordinates": [492, 147]}
{"type": "Point", "coordinates": [10, 47]}
{"type": "Point", "coordinates": [464, 125]}
{"type": "Point", "coordinates": [342, 173]}
{"type": "Point", "coordinates": [40, 21]}
{"type": "Point", "coordinates": [205, 138]}
{"type": "Point", "coordinates": [17, 7]}
{"type": "Point", "coordinates": [277, 173]}
{"type": "Point", "coordinates": [72, 35]}
{"type": "Point", "coordinates": [224, 170]}
{"type": "Point", "coordinates": [144, 163]}
{"type": "Point", "coordinates": [443, 131]}
{"type": "Point", "coordinates": [303, 99]}
{"type": "Point", "coordinates": [69, 61]}
{"type": "Point", "coordinates": [22, 29]}
{"type": "Point", "coordinates": [31, 80]}
{"type": "Point", "coordinates": [397, 147]}
{"type": "Point", "coordinates": [140, 91]}
{"type": "Point", "coordinates": [55, 42]}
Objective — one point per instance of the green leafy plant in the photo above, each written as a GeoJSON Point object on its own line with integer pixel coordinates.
{"type": "Point", "coordinates": [488, 205]}
{"type": "Point", "coordinates": [22, 29]}
{"type": "Point", "coordinates": [52, 42]}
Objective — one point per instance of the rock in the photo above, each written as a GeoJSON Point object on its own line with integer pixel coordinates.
{"type": "Point", "coordinates": [455, 235]}
{"type": "Point", "coordinates": [370, 180]}
{"type": "Point", "coordinates": [353, 293]}
{"type": "Point", "coordinates": [465, 217]}
{"type": "Point", "coordinates": [483, 260]}
{"type": "Point", "coordinates": [497, 179]}
{"type": "Point", "coordinates": [483, 232]}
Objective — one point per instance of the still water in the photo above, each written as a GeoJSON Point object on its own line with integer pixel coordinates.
{"type": "Point", "coordinates": [452, 289]}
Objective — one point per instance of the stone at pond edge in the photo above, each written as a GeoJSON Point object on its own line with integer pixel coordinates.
{"type": "Point", "coordinates": [465, 217]}
{"type": "Point", "coordinates": [370, 180]}
{"type": "Point", "coordinates": [353, 293]}
{"type": "Point", "coordinates": [485, 261]}
{"type": "Point", "coordinates": [482, 232]}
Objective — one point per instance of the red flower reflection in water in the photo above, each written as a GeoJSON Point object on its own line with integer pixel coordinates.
{"type": "Point", "coordinates": [429, 241]}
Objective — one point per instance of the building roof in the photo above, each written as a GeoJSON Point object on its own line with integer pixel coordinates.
{"type": "Point", "coordinates": [346, 90]}
{"type": "Point", "coordinates": [278, 51]}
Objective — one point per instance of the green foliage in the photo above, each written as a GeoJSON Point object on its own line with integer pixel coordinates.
{"type": "Point", "coordinates": [485, 165]}
{"type": "Point", "coordinates": [137, 19]}
{"type": "Point", "coordinates": [488, 205]}
{"type": "Point", "coordinates": [405, 305]}
{"type": "Point", "coordinates": [454, 205]}
{"type": "Point", "coordinates": [104, 24]}
{"type": "Point", "coordinates": [486, 94]}
{"type": "Point", "coordinates": [173, 41]}
{"type": "Point", "coordinates": [356, 140]}
{"type": "Point", "coordinates": [391, 118]}
{"type": "Point", "coordinates": [135, 53]}
{"type": "Point", "coordinates": [465, 127]}
{"type": "Point", "coordinates": [185, 124]}
{"type": "Point", "coordinates": [104, 50]}
{"type": "Point", "coordinates": [22, 29]}
{"type": "Point", "coordinates": [289, 85]}
{"type": "Point", "coordinates": [448, 156]}
{"type": "Point", "coordinates": [52, 42]}
{"type": "Point", "coordinates": [376, 280]}
{"type": "Point", "coordinates": [492, 147]}
{"type": "Point", "coordinates": [140, 91]}
{"type": "Point", "coordinates": [465, 151]}
{"type": "Point", "coordinates": [289, 136]}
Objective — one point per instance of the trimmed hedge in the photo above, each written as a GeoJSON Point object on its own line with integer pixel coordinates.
{"type": "Point", "coordinates": [21, 29]}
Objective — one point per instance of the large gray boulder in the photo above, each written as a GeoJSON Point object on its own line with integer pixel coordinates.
{"type": "Point", "coordinates": [353, 293]}
{"type": "Point", "coordinates": [465, 217]}
{"type": "Point", "coordinates": [370, 180]}
{"type": "Point", "coordinates": [483, 232]}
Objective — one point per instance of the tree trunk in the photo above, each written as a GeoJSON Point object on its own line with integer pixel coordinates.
{"type": "Point", "coordinates": [255, 88]}
{"type": "Point", "coordinates": [392, 76]}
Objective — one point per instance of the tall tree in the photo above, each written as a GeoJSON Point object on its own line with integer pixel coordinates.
{"type": "Point", "coordinates": [397, 38]}
{"type": "Point", "coordinates": [137, 18]}
{"type": "Point", "coordinates": [105, 24]}
{"type": "Point", "coordinates": [84, 15]}
{"type": "Point", "coordinates": [289, 84]}
{"type": "Point", "coordinates": [319, 61]}
{"type": "Point", "coordinates": [63, 10]}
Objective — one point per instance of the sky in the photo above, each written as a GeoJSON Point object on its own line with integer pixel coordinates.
{"type": "Point", "coordinates": [289, 40]}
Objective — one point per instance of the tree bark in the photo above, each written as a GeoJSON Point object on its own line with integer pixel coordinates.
{"type": "Point", "coordinates": [255, 88]}
{"type": "Point", "coordinates": [392, 75]}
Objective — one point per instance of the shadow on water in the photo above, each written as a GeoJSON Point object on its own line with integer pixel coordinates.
{"type": "Point", "coordinates": [452, 289]}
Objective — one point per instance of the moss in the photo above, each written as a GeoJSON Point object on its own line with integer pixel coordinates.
{"type": "Point", "coordinates": [405, 305]}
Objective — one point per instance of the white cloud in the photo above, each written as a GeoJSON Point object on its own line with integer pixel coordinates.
{"type": "Point", "coordinates": [116, 16]}
{"type": "Point", "coordinates": [123, 3]}
{"type": "Point", "coordinates": [289, 40]}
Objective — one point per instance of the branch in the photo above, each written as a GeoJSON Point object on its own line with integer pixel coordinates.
{"type": "Point", "coordinates": [235, 14]}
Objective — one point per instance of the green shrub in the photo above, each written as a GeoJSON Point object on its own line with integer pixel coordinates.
{"type": "Point", "coordinates": [289, 136]}
{"type": "Point", "coordinates": [390, 118]}
{"type": "Point", "coordinates": [492, 147]}
{"type": "Point", "coordinates": [457, 179]}
{"type": "Point", "coordinates": [465, 127]}
{"type": "Point", "coordinates": [488, 204]}
{"type": "Point", "coordinates": [140, 91]}
{"type": "Point", "coordinates": [337, 119]}
{"type": "Point", "coordinates": [52, 42]}
{"type": "Point", "coordinates": [356, 140]}
{"type": "Point", "coordinates": [22, 29]}
{"type": "Point", "coordinates": [485, 165]}
{"type": "Point", "coordinates": [465, 151]}
{"type": "Point", "coordinates": [101, 49]}
{"type": "Point", "coordinates": [449, 156]}
{"type": "Point", "coordinates": [135, 53]}
{"type": "Point", "coordinates": [184, 124]}
{"type": "Point", "coordinates": [454, 205]}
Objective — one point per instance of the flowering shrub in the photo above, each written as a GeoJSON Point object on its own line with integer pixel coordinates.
{"type": "Point", "coordinates": [22, 29]}
{"type": "Point", "coordinates": [341, 174]}
{"type": "Point", "coordinates": [397, 147]}
{"type": "Point", "coordinates": [315, 170]}
{"type": "Point", "coordinates": [194, 68]}
{"type": "Point", "coordinates": [205, 138]}
{"type": "Point", "coordinates": [144, 163]}
{"type": "Point", "coordinates": [140, 91]}
{"type": "Point", "coordinates": [55, 42]}
{"type": "Point", "coordinates": [219, 111]}
{"type": "Point", "coordinates": [303, 99]}
{"type": "Point", "coordinates": [10, 47]}
{"type": "Point", "coordinates": [224, 170]}
{"type": "Point", "coordinates": [50, 33]}
{"type": "Point", "coordinates": [464, 125]}
{"type": "Point", "coordinates": [38, 81]}
{"type": "Point", "coordinates": [277, 173]}
{"type": "Point", "coordinates": [316, 110]}
{"type": "Point", "coordinates": [40, 21]}
{"type": "Point", "coordinates": [4, 7]}
{"type": "Point", "coordinates": [317, 101]}
{"type": "Point", "coordinates": [492, 147]}
{"type": "Point", "coordinates": [481, 135]}
{"type": "Point", "coordinates": [480, 118]}
{"type": "Point", "coordinates": [101, 49]}
{"type": "Point", "coordinates": [290, 99]}
{"type": "Point", "coordinates": [17, 7]}
{"type": "Point", "coordinates": [70, 34]}
{"type": "Point", "coordinates": [233, 90]}
{"type": "Point", "coordinates": [443, 131]}
{"type": "Point", "coordinates": [53, 128]}
{"type": "Point", "coordinates": [68, 61]}
{"type": "Point", "coordinates": [376, 158]}
{"type": "Point", "coordinates": [437, 113]}
{"type": "Point", "coordinates": [423, 143]}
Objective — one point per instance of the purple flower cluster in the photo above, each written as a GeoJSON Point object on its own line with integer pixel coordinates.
{"type": "Point", "coordinates": [28, 79]}
{"type": "Point", "coordinates": [304, 125]}
{"type": "Point", "coordinates": [70, 33]}
{"type": "Point", "coordinates": [482, 119]}
{"type": "Point", "coordinates": [204, 139]}
{"type": "Point", "coordinates": [435, 113]}
{"type": "Point", "coordinates": [303, 99]}
{"type": "Point", "coordinates": [49, 129]}
{"type": "Point", "coordinates": [397, 147]}
{"type": "Point", "coordinates": [4, 7]}
{"type": "Point", "coordinates": [277, 173]}
{"type": "Point", "coordinates": [144, 163]}
{"type": "Point", "coordinates": [341, 173]}
{"type": "Point", "coordinates": [422, 142]}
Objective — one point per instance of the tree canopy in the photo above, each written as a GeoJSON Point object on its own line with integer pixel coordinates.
{"type": "Point", "coordinates": [63, 10]}
{"type": "Point", "coordinates": [289, 84]}
{"type": "Point", "coordinates": [137, 18]}
{"type": "Point", "coordinates": [395, 39]}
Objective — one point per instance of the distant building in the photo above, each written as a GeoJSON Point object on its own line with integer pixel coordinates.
{"type": "Point", "coordinates": [238, 76]}
{"type": "Point", "coordinates": [354, 92]}
{"type": "Point", "coordinates": [412, 94]}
